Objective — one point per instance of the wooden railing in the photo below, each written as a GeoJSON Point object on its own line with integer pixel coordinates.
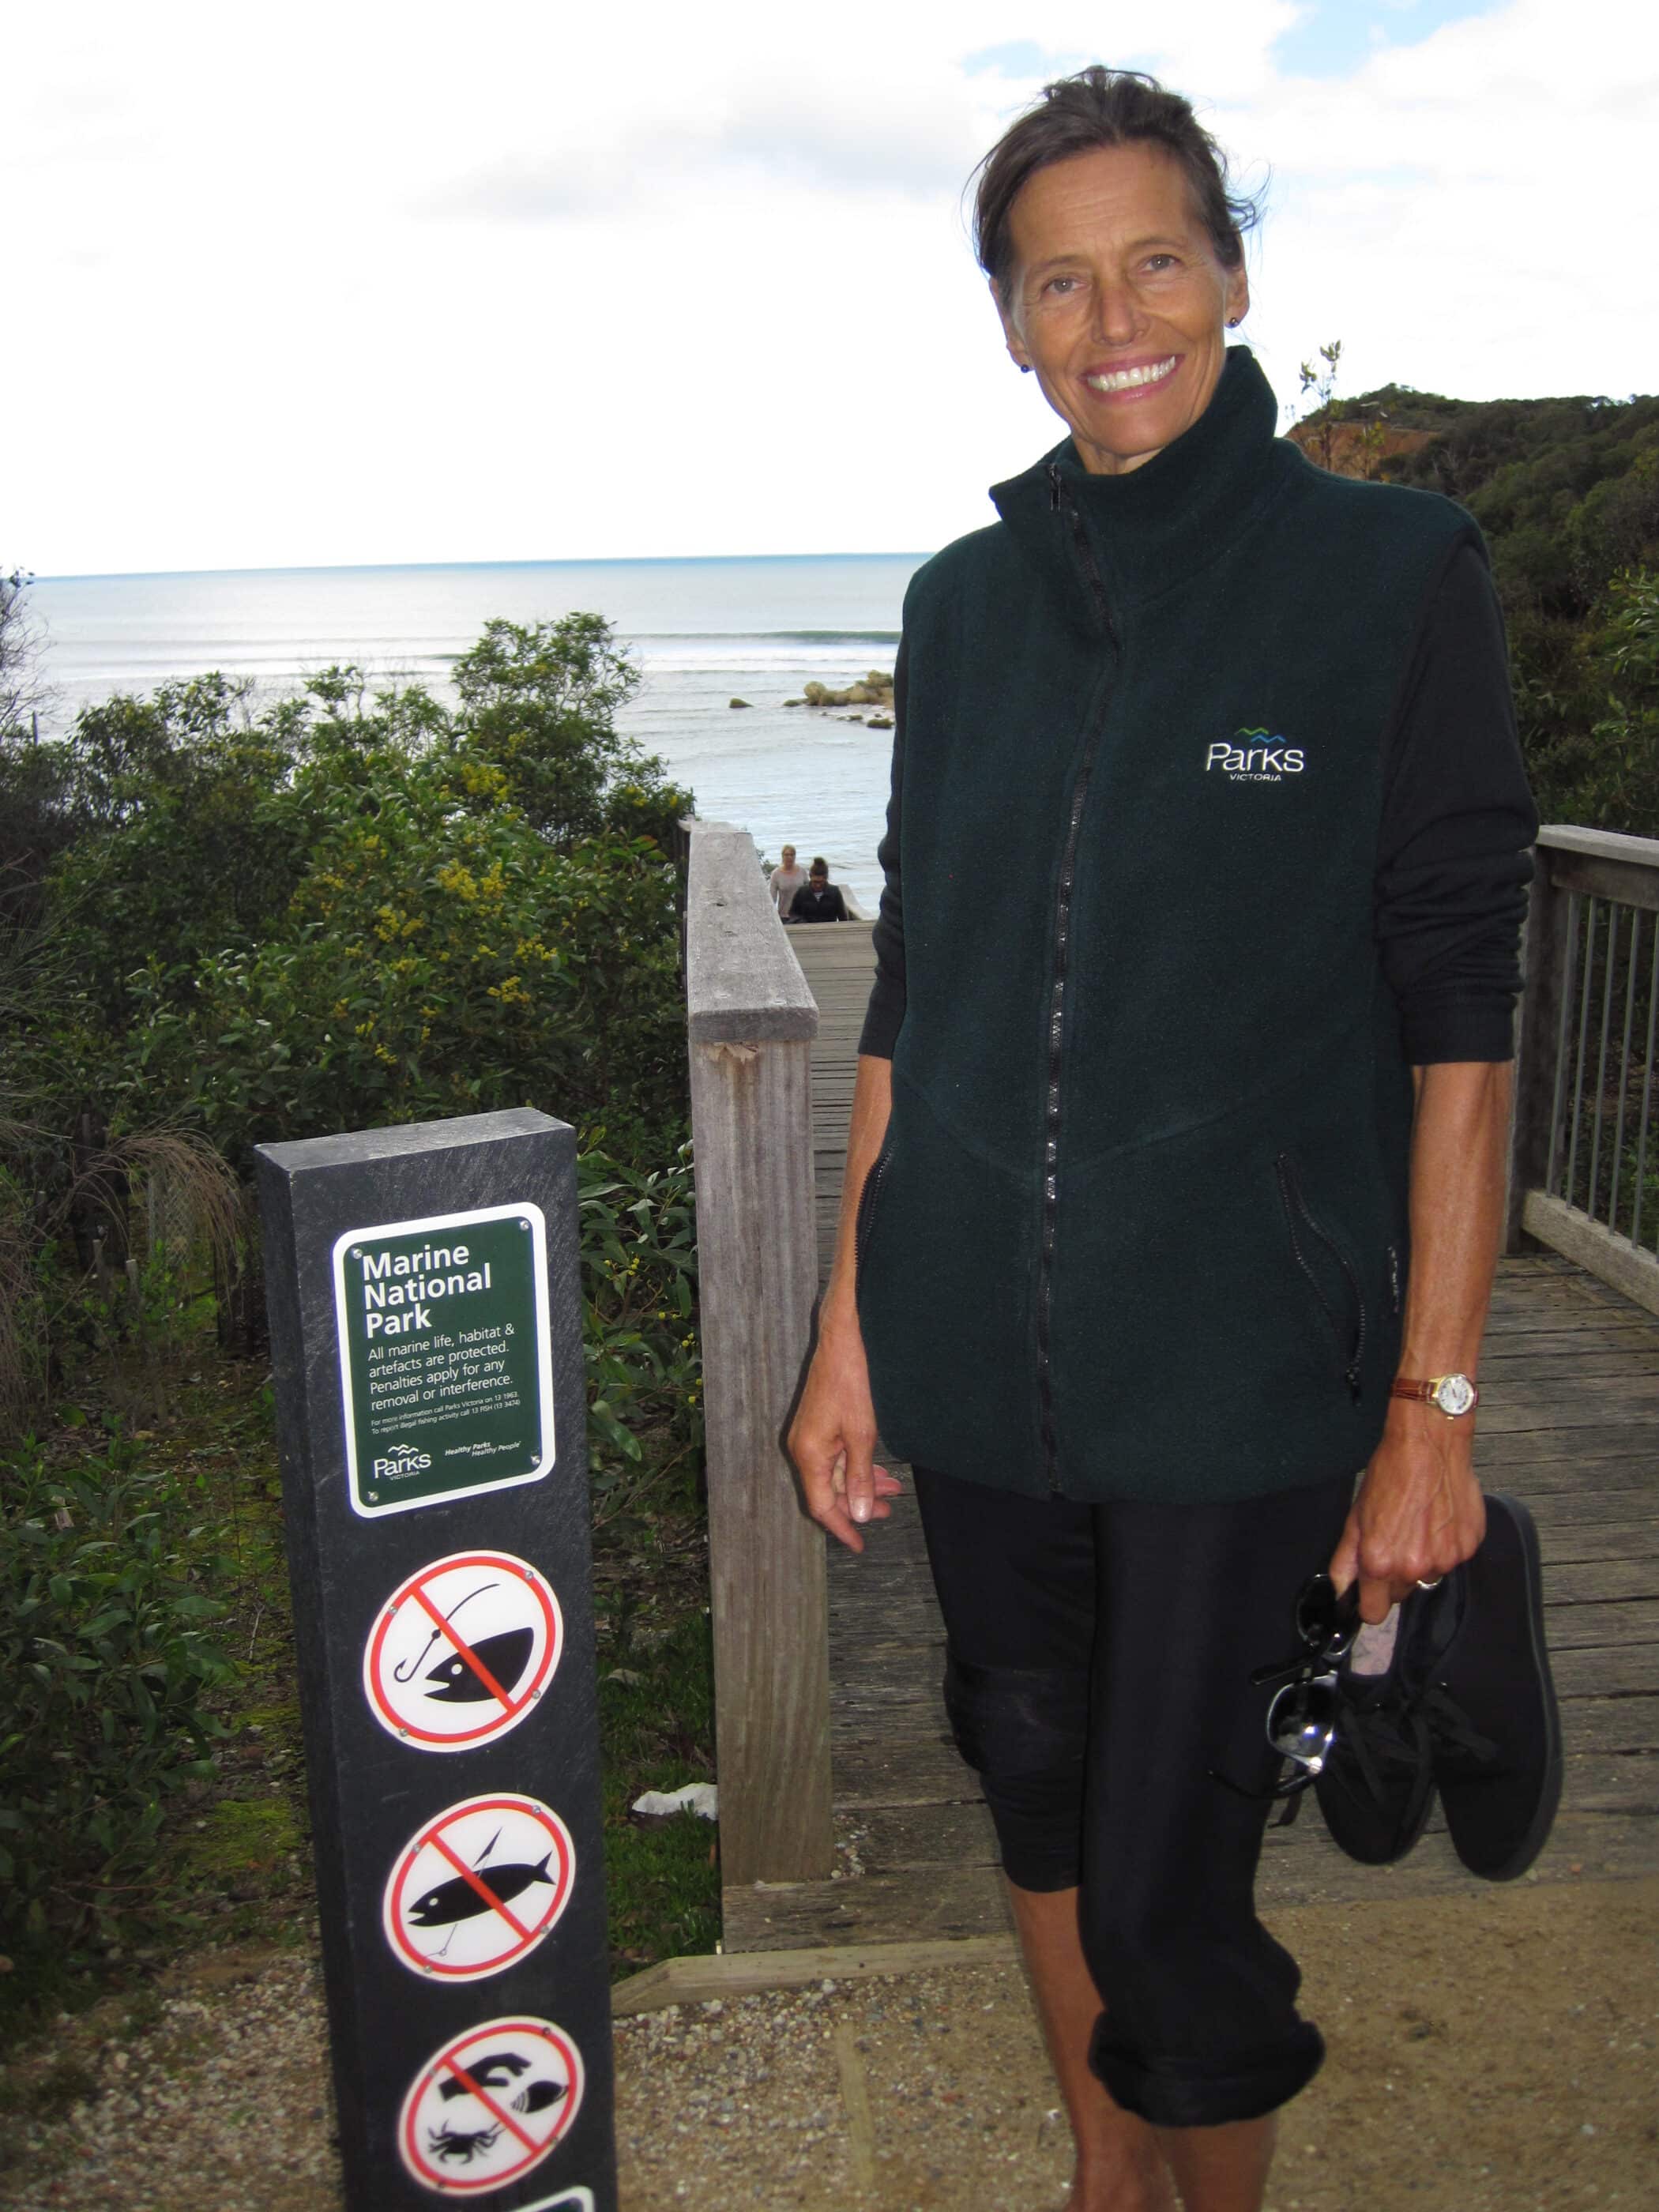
{"type": "Point", "coordinates": [751, 1020]}
{"type": "Point", "coordinates": [1584, 1166]}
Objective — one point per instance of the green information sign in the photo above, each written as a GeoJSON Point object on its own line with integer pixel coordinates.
{"type": "Point", "coordinates": [446, 1369]}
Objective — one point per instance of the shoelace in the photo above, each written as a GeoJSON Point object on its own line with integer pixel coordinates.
{"type": "Point", "coordinates": [1394, 1734]}
{"type": "Point", "coordinates": [1453, 1731]}
{"type": "Point", "coordinates": [1401, 1731]}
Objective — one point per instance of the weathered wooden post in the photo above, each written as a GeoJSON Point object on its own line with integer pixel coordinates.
{"type": "Point", "coordinates": [426, 1328]}
{"type": "Point", "coordinates": [751, 1020]}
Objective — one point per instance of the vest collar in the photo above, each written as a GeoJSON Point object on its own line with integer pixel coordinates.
{"type": "Point", "coordinates": [1144, 532]}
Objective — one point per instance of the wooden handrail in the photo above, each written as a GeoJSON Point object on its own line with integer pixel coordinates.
{"type": "Point", "coordinates": [751, 1020]}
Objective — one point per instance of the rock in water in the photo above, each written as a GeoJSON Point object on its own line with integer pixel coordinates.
{"type": "Point", "coordinates": [740, 703]}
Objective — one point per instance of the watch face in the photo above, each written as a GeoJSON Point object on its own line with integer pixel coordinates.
{"type": "Point", "coordinates": [1456, 1394]}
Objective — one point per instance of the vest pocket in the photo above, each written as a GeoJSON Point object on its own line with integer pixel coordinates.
{"type": "Point", "coordinates": [1329, 1272]}
{"type": "Point", "coordinates": [866, 1212]}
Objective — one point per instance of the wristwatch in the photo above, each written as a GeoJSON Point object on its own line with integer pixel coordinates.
{"type": "Point", "coordinates": [1454, 1395]}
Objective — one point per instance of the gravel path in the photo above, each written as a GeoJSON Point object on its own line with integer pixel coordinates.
{"type": "Point", "coordinates": [1493, 2051]}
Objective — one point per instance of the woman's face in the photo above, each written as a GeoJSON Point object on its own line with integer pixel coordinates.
{"type": "Point", "coordinates": [1118, 302]}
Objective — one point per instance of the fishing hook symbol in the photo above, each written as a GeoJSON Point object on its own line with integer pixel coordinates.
{"type": "Point", "coordinates": [404, 1670]}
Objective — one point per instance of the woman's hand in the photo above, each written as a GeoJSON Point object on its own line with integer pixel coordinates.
{"type": "Point", "coordinates": [1418, 1512]}
{"type": "Point", "coordinates": [832, 1439]}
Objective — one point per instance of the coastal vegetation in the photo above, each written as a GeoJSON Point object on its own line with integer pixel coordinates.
{"type": "Point", "coordinates": [225, 920]}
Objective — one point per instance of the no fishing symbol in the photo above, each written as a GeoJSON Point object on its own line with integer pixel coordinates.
{"type": "Point", "coordinates": [461, 1651]}
{"type": "Point", "coordinates": [478, 1888]}
{"type": "Point", "coordinates": [490, 2105]}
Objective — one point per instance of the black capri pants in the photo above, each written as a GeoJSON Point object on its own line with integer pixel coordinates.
{"type": "Point", "coordinates": [1097, 1670]}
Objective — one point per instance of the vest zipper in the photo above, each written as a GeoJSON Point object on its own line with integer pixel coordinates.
{"type": "Point", "coordinates": [1295, 1208]}
{"type": "Point", "coordinates": [866, 1208]}
{"type": "Point", "coordinates": [1061, 497]}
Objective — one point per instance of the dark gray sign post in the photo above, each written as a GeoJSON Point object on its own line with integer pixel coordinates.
{"type": "Point", "coordinates": [425, 1327]}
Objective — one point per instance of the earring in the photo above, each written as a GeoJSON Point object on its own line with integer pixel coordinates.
{"type": "Point", "coordinates": [1026, 368]}
{"type": "Point", "coordinates": [1233, 321]}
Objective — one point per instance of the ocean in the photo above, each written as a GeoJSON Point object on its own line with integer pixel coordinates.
{"type": "Point", "coordinates": [704, 632]}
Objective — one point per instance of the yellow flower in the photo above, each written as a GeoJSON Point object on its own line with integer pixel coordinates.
{"type": "Point", "coordinates": [454, 877]}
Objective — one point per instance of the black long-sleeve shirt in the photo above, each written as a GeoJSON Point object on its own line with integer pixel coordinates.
{"type": "Point", "coordinates": [1453, 858]}
{"type": "Point", "coordinates": [819, 903]}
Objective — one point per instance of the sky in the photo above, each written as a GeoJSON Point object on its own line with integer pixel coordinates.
{"type": "Point", "coordinates": [384, 281]}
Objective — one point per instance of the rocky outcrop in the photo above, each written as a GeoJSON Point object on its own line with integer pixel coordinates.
{"type": "Point", "coordinates": [873, 690]}
{"type": "Point", "coordinates": [740, 703]}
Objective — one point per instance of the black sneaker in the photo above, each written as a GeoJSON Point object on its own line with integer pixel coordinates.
{"type": "Point", "coordinates": [1490, 1707]}
{"type": "Point", "coordinates": [1376, 1791]}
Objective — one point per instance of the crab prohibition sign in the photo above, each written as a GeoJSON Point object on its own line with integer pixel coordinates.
{"type": "Point", "coordinates": [490, 2105]}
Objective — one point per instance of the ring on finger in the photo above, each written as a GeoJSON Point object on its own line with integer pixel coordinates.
{"type": "Point", "coordinates": [1435, 1584]}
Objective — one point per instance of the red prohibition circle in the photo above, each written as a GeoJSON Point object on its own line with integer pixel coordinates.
{"type": "Point", "coordinates": [448, 2061]}
{"type": "Point", "coordinates": [528, 1936]}
{"type": "Point", "coordinates": [511, 1709]}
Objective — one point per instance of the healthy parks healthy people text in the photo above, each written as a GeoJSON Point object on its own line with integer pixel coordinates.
{"type": "Point", "coordinates": [1177, 1141]}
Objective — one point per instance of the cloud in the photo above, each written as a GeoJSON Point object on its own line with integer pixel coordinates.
{"type": "Point", "coordinates": [1024, 60]}
{"type": "Point", "coordinates": [834, 131]}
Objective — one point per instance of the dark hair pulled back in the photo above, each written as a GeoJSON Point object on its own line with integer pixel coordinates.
{"type": "Point", "coordinates": [1104, 107]}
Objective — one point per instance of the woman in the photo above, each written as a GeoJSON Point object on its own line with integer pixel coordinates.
{"type": "Point", "coordinates": [821, 901]}
{"type": "Point", "coordinates": [784, 881]}
{"type": "Point", "coordinates": [1195, 966]}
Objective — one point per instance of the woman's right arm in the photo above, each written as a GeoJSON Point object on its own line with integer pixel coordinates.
{"type": "Point", "coordinates": [832, 1439]}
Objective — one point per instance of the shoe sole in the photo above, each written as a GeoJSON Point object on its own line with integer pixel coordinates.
{"type": "Point", "coordinates": [1537, 1834]}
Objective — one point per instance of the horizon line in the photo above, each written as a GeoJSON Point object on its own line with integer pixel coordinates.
{"type": "Point", "coordinates": [353, 568]}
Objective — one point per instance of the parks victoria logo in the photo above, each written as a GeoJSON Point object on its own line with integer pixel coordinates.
{"type": "Point", "coordinates": [1254, 756]}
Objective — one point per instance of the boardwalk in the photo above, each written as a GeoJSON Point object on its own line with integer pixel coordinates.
{"type": "Point", "coordinates": [1571, 1383]}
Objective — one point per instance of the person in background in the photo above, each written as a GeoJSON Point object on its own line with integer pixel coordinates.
{"type": "Point", "coordinates": [786, 880]}
{"type": "Point", "coordinates": [822, 900]}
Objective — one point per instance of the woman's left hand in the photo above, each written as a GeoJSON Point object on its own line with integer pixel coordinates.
{"type": "Point", "coordinates": [1418, 1512]}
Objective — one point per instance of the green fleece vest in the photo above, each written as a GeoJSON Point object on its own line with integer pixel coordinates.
{"type": "Point", "coordinates": [1138, 1226]}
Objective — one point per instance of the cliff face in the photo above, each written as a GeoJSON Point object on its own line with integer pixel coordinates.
{"type": "Point", "coordinates": [1354, 448]}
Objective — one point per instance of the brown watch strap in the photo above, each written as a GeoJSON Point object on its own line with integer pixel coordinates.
{"type": "Point", "coordinates": [1408, 1386]}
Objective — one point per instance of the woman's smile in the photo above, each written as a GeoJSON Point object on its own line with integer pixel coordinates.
{"type": "Point", "coordinates": [1134, 378]}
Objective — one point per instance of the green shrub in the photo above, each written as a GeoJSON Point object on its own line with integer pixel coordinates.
{"type": "Point", "coordinates": [639, 1285]}
{"type": "Point", "coordinates": [105, 1664]}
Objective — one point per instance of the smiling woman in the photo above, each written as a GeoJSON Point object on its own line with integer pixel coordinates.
{"type": "Point", "coordinates": [1204, 863]}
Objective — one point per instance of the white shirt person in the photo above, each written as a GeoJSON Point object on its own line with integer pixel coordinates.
{"type": "Point", "coordinates": [784, 881]}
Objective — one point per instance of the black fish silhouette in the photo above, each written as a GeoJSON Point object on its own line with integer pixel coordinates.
{"type": "Point", "coordinates": [505, 1656]}
{"type": "Point", "coordinates": [458, 1900]}
{"type": "Point", "coordinates": [537, 2096]}
{"type": "Point", "coordinates": [493, 2072]}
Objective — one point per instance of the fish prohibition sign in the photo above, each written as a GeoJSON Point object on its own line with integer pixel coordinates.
{"type": "Point", "coordinates": [461, 1650]}
{"type": "Point", "coordinates": [478, 1888]}
{"type": "Point", "coordinates": [490, 2105]}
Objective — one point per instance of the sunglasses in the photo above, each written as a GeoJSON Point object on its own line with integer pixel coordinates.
{"type": "Point", "coordinates": [1302, 1717]}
